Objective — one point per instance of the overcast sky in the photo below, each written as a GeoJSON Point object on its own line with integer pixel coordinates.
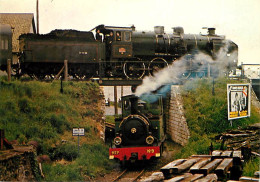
{"type": "Point", "coordinates": [238, 20]}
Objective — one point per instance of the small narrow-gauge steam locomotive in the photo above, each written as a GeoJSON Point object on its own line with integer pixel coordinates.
{"type": "Point", "coordinates": [140, 132]}
{"type": "Point", "coordinates": [119, 52]}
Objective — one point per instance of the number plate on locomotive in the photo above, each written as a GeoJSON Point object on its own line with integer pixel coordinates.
{"type": "Point", "coordinates": [115, 152]}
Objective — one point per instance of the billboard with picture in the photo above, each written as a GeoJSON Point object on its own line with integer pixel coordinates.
{"type": "Point", "coordinates": [238, 96]}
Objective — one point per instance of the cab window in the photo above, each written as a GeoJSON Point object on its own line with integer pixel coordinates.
{"type": "Point", "coordinates": [118, 36]}
{"type": "Point", "coordinates": [4, 43]}
{"type": "Point", "coordinates": [127, 36]}
{"type": "Point", "coordinates": [126, 107]}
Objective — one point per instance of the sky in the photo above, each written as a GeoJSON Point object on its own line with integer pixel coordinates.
{"type": "Point", "coordinates": [238, 20]}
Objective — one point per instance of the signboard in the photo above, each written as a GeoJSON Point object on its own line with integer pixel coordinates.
{"type": "Point", "coordinates": [78, 132]}
{"type": "Point", "coordinates": [238, 96]}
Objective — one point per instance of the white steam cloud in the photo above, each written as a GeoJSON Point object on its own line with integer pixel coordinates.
{"type": "Point", "coordinates": [178, 69]}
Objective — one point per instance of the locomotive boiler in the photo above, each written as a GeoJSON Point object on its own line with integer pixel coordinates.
{"type": "Point", "coordinates": [139, 132]}
{"type": "Point", "coordinates": [118, 52]}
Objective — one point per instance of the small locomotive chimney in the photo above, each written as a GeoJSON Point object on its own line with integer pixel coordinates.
{"type": "Point", "coordinates": [134, 105]}
{"type": "Point", "coordinates": [211, 31]}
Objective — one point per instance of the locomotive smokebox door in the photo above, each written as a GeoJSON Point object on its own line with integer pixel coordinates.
{"type": "Point", "coordinates": [122, 45]}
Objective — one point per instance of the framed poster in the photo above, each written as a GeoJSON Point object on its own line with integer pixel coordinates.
{"type": "Point", "coordinates": [238, 97]}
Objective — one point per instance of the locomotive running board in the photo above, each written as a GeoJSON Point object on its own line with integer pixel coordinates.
{"type": "Point", "coordinates": [117, 82]}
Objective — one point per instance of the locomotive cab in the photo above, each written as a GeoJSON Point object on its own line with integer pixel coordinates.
{"type": "Point", "coordinates": [122, 46]}
{"type": "Point", "coordinates": [118, 41]}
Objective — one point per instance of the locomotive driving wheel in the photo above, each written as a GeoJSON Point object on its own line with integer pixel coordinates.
{"type": "Point", "coordinates": [156, 64]}
{"type": "Point", "coordinates": [134, 69]}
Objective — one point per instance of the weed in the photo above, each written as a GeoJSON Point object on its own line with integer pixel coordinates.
{"type": "Point", "coordinates": [22, 139]}
{"type": "Point", "coordinates": [110, 119]}
{"type": "Point", "coordinates": [24, 105]}
{"type": "Point", "coordinates": [88, 113]}
{"type": "Point", "coordinates": [251, 166]}
{"type": "Point", "coordinates": [66, 151]}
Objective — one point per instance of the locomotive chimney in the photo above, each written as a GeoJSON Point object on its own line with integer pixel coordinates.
{"type": "Point", "coordinates": [133, 28]}
{"type": "Point", "coordinates": [159, 30]}
{"type": "Point", "coordinates": [211, 31]}
{"type": "Point", "coordinates": [134, 105]}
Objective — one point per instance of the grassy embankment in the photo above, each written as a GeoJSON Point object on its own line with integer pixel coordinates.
{"type": "Point", "coordinates": [37, 111]}
{"type": "Point", "coordinates": [207, 114]}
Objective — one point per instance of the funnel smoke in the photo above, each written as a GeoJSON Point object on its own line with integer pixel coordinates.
{"type": "Point", "coordinates": [180, 69]}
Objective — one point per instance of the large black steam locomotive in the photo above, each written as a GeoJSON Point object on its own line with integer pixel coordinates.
{"type": "Point", "coordinates": [118, 52]}
{"type": "Point", "coordinates": [140, 131]}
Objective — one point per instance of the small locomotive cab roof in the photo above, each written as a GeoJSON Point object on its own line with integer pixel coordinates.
{"type": "Point", "coordinates": [149, 106]}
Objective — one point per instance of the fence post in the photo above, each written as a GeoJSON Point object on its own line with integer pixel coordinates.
{"type": "Point", "coordinates": [9, 70]}
{"type": "Point", "coordinates": [65, 70]}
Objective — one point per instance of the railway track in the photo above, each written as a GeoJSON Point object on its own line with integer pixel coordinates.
{"type": "Point", "coordinates": [129, 175]}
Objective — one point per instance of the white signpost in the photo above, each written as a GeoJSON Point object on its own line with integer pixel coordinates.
{"type": "Point", "coordinates": [78, 132]}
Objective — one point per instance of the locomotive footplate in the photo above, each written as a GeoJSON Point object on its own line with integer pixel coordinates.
{"type": "Point", "coordinates": [118, 82]}
{"type": "Point", "coordinates": [140, 153]}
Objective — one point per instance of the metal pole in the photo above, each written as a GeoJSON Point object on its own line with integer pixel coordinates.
{"type": "Point", "coordinates": [242, 71]}
{"type": "Point", "coordinates": [115, 100]}
{"type": "Point", "coordinates": [37, 13]}
{"type": "Point", "coordinates": [9, 70]}
{"type": "Point", "coordinates": [122, 91]}
{"type": "Point", "coordinates": [61, 86]}
{"type": "Point", "coordinates": [213, 87]}
{"type": "Point", "coordinates": [65, 70]}
{"type": "Point", "coordinates": [208, 70]}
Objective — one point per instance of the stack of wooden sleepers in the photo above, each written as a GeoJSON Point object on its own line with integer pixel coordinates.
{"type": "Point", "coordinates": [220, 166]}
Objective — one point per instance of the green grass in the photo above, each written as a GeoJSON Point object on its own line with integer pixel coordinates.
{"type": "Point", "coordinates": [110, 119]}
{"type": "Point", "coordinates": [87, 166]}
{"type": "Point", "coordinates": [207, 115]}
{"type": "Point", "coordinates": [251, 167]}
{"type": "Point", "coordinates": [33, 110]}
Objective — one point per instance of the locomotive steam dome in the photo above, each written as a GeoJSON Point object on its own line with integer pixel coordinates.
{"type": "Point", "coordinates": [159, 29]}
{"type": "Point", "coordinates": [135, 129]}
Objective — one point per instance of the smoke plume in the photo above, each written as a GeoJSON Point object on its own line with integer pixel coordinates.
{"type": "Point", "coordinates": [178, 70]}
